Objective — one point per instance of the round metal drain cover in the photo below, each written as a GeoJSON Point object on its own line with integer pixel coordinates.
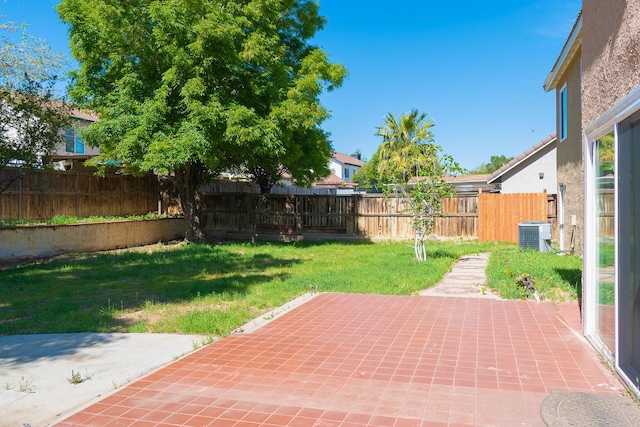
{"type": "Point", "coordinates": [564, 409]}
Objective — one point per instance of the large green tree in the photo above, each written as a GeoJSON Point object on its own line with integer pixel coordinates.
{"type": "Point", "coordinates": [367, 176]}
{"type": "Point", "coordinates": [495, 163]}
{"type": "Point", "coordinates": [31, 116]}
{"type": "Point", "coordinates": [191, 88]}
{"type": "Point", "coordinates": [411, 166]}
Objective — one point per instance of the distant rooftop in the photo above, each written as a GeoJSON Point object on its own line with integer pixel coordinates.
{"type": "Point", "coordinates": [349, 160]}
{"type": "Point", "coordinates": [522, 157]}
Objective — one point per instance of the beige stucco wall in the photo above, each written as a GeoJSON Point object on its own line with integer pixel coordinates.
{"type": "Point", "coordinates": [61, 148]}
{"type": "Point", "coordinates": [569, 157]}
{"type": "Point", "coordinates": [610, 54]}
{"type": "Point", "coordinates": [18, 243]}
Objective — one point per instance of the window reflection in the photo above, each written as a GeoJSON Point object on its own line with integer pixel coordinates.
{"type": "Point", "coordinates": [605, 213]}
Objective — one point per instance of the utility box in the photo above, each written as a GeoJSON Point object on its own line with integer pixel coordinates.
{"type": "Point", "coordinates": [534, 235]}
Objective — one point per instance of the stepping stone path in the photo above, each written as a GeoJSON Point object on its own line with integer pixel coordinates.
{"type": "Point", "coordinates": [467, 278]}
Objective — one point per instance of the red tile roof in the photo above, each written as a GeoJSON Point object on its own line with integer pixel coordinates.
{"type": "Point", "coordinates": [344, 159]}
{"type": "Point", "coordinates": [89, 116]}
{"type": "Point", "coordinates": [334, 181]}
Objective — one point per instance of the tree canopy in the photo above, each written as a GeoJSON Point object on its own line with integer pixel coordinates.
{"type": "Point", "coordinates": [192, 88]}
{"type": "Point", "coordinates": [31, 116]}
{"type": "Point", "coordinates": [494, 164]}
{"type": "Point", "coordinates": [367, 176]}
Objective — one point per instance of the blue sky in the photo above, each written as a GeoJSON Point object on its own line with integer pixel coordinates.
{"type": "Point", "coordinates": [476, 68]}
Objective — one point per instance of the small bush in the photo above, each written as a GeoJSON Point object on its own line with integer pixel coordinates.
{"type": "Point", "coordinates": [554, 277]}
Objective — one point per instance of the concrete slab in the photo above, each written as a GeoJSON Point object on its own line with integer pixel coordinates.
{"type": "Point", "coordinates": [35, 370]}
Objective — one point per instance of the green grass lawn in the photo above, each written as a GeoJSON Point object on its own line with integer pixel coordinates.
{"type": "Point", "coordinates": [213, 289]}
{"type": "Point", "coordinates": [556, 278]}
{"type": "Point", "coordinates": [66, 219]}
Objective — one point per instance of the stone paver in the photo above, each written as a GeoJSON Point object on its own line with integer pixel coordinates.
{"type": "Point", "coordinates": [467, 278]}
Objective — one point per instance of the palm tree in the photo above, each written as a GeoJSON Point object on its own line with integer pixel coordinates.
{"type": "Point", "coordinates": [405, 146]}
{"type": "Point", "coordinates": [408, 151]}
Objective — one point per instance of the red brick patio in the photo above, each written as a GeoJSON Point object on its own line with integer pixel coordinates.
{"type": "Point", "coordinates": [369, 360]}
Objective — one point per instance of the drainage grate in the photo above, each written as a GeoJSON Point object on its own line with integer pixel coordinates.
{"type": "Point", "coordinates": [567, 409]}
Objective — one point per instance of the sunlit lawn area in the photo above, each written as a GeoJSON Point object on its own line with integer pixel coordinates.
{"type": "Point", "coordinates": [556, 278]}
{"type": "Point", "coordinates": [213, 289]}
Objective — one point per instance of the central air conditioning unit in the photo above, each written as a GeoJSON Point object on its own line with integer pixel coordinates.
{"type": "Point", "coordinates": [534, 235]}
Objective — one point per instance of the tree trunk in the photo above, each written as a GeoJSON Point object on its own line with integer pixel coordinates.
{"type": "Point", "coordinates": [188, 181]}
{"type": "Point", "coordinates": [419, 250]}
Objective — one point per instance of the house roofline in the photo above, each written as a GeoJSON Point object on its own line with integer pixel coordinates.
{"type": "Point", "coordinates": [345, 159]}
{"type": "Point", "coordinates": [571, 46]}
{"type": "Point", "coordinates": [544, 143]}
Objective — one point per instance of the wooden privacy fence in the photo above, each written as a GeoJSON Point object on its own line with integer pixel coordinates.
{"type": "Point", "coordinates": [494, 217]}
{"type": "Point", "coordinates": [358, 215]}
{"type": "Point", "coordinates": [500, 214]}
{"type": "Point", "coordinates": [43, 194]}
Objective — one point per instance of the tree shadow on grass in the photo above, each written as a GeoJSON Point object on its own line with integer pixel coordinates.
{"type": "Point", "coordinates": [311, 243]}
{"type": "Point", "coordinates": [83, 294]}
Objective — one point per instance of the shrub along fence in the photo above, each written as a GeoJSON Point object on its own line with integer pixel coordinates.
{"type": "Point", "coordinates": [43, 194]}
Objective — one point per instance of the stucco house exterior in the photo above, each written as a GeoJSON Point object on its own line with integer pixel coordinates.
{"type": "Point", "coordinates": [344, 166]}
{"type": "Point", "coordinates": [601, 62]}
{"type": "Point", "coordinates": [564, 78]}
{"type": "Point", "coordinates": [533, 171]}
{"type": "Point", "coordinates": [72, 151]}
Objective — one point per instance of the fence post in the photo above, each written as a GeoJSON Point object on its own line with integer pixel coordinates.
{"type": "Point", "coordinates": [20, 198]}
{"type": "Point", "coordinates": [354, 213]}
{"type": "Point", "coordinates": [298, 214]}
{"type": "Point", "coordinates": [77, 174]}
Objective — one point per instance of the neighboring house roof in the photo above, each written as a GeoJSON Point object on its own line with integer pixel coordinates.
{"type": "Point", "coordinates": [466, 184]}
{"type": "Point", "coordinates": [88, 116]}
{"type": "Point", "coordinates": [471, 178]}
{"type": "Point", "coordinates": [347, 160]}
{"type": "Point", "coordinates": [334, 181]}
{"type": "Point", "coordinates": [455, 179]}
{"type": "Point", "coordinates": [569, 50]}
{"type": "Point", "coordinates": [522, 158]}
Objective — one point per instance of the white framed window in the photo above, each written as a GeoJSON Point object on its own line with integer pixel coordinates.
{"type": "Point", "coordinates": [73, 142]}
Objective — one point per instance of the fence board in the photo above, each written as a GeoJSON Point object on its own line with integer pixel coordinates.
{"type": "Point", "coordinates": [358, 215]}
{"type": "Point", "coordinates": [500, 214]}
{"type": "Point", "coordinates": [43, 194]}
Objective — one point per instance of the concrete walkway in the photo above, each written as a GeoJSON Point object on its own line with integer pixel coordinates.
{"type": "Point", "coordinates": [467, 278]}
{"type": "Point", "coordinates": [35, 370]}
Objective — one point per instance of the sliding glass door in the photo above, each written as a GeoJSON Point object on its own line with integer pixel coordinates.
{"type": "Point", "coordinates": [629, 248]}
